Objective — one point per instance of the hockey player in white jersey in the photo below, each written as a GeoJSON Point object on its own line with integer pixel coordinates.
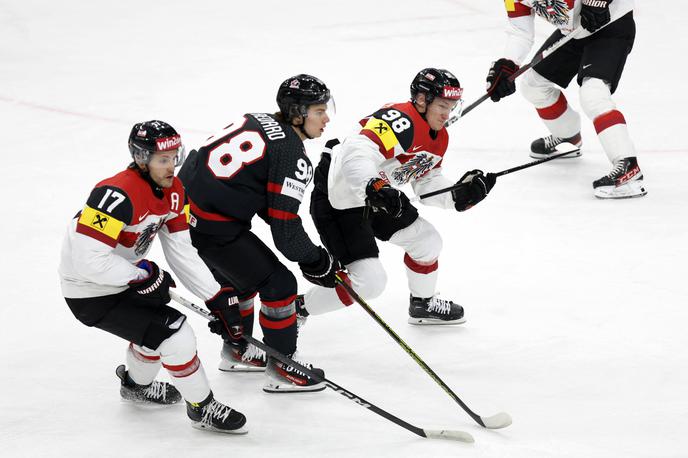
{"type": "Point", "coordinates": [597, 56]}
{"type": "Point", "coordinates": [108, 283]}
{"type": "Point", "coordinates": [398, 144]}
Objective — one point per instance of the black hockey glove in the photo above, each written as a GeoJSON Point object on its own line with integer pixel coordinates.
{"type": "Point", "coordinates": [383, 197]}
{"type": "Point", "coordinates": [498, 83]}
{"type": "Point", "coordinates": [155, 287]}
{"type": "Point", "coordinates": [475, 187]}
{"type": "Point", "coordinates": [322, 271]}
{"type": "Point", "coordinates": [594, 14]}
{"type": "Point", "coordinates": [225, 306]}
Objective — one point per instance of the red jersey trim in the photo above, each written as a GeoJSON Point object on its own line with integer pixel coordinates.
{"type": "Point", "coordinates": [520, 10]}
{"type": "Point", "coordinates": [87, 231]}
{"type": "Point", "coordinates": [281, 214]}
{"type": "Point", "coordinates": [177, 224]}
{"type": "Point", "coordinates": [274, 188]}
{"type": "Point", "coordinates": [375, 139]}
{"type": "Point", "coordinates": [197, 211]}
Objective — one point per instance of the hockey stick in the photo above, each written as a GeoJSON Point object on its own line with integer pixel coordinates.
{"type": "Point", "coordinates": [456, 435]}
{"type": "Point", "coordinates": [500, 420]}
{"type": "Point", "coordinates": [498, 174]}
{"type": "Point", "coordinates": [536, 60]}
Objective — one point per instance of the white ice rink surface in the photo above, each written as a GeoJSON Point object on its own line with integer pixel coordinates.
{"type": "Point", "coordinates": [577, 308]}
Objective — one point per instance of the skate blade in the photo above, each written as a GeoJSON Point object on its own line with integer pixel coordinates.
{"type": "Point", "coordinates": [148, 404]}
{"type": "Point", "coordinates": [271, 387]}
{"type": "Point", "coordinates": [435, 321]}
{"type": "Point", "coordinates": [226, 366]}
{"type": "Point", "coordinates": [202, 427]}
{"type": "Point", "coordinates": [625, 191]}
{"type": "Point", "coordinates": [575, 152]}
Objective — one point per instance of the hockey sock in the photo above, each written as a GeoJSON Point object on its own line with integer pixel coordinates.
{"type": "Point", "coordinates": [559, 118]}
{"type": "Point", "coordinates": [613, 134]}
{"type": "Point", "coordinates": [247, 315]}
{"type": "Point", "coordinates": [142, 365]}
{"type": "Point", "coordinates": [278, 321]}
{"type": "Point", "coordinates": [178, 356]}
{"type": "Point", "coordinates": [422, 276]}
{"type": "Point", "coordinates": [551, 105]}
{"type": "Point", "coordinates": [610, 124]}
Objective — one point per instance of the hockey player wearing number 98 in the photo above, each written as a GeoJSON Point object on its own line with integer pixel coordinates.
{"type": "Point", "coordinates": [108, 283]}
{"type": "Point", "coordinates": [398, 144]}
{"type": "Point", "coordinates": [258, 165]}
{"type": "Point", "coordinates": [597, 56]}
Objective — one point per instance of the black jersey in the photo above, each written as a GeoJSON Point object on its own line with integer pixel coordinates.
{"type": "Point", "coordinates": [256, 165]}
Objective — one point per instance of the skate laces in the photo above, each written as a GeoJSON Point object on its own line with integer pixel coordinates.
{"type": "Point", "coordinates": [438, 305]}
{"type": "Point", "coordinates": [295, 370]}
{"type": "Point", "coordinates": [618, 169]}
{"type": "Point", "coordinates": [156, 390]}
{"type": "Point", "coordinates": [253, 352]}
{"type": "Point", "coordinates": [551, 141]}
{"type": "Point", "coordinates": [215, 410]}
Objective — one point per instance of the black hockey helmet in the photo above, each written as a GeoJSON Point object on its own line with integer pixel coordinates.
{"type": "Point", "coordinates": [295, 94]}
{"type": "Point", "coordinates": [151, 137]}
{"type": "Point", "coordinates": [436, 82]}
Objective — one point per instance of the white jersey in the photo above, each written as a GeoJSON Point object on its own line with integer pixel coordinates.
{"type": "Point", "coordinates": [116, 229]}
{"type": "Point", "coordinates": [395, 144]}
{"type": "Point", "coordinates": [563, 14]}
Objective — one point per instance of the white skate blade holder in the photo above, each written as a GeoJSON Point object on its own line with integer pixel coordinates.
{"type": "Point", "coordinates": [634, 188]}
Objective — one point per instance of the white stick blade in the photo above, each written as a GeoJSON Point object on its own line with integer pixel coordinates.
{"type": "Point", "coordinates": [449, 435]}
{"type": "Point", "coordinates": [500, 420]}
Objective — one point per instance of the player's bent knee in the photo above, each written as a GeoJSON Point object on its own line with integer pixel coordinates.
{"type": "Point", "coordinates": [596, 97]}
{"type": "Point", "coordinates": [179, 346]}
{"type": "Point", "coordinates": [538, 90]}
{"type": "Point", "coordinates": [368, 277]}
{"type": "Point", "coordinates": [280, 284]}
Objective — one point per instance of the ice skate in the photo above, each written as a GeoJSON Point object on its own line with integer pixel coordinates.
{"type": "Point", "coordinates": [212, 415]}
{"type": "Point", "coordinates": [242, 358]}
{"type": "Point", "coordinates": [546, 146]}
{"type": "Point", "coordinates": [157, 393]}
{"type": "Point", "coordinates": [284, 378]}
{"type": "Point", "coordinates": [433, 310]}
{"type": "Point", "coordinates": [624, 181]}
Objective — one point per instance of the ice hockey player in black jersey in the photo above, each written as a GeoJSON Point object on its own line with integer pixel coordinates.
{"type": "Point", "coordinates": [399, 144]}
{"type": "Point", "coordinates": [109, 284]}
{"type": "Point", "coordinates": [257, 165]}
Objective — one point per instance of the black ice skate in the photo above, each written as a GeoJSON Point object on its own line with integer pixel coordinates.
{"type": "Point", "coordinates": [157, 393]}
{"type": "Point", "coordinates": [546, 146]}
{"type": "Point", "coordinates": [212, 415]}
{"type": "Point", "coordinates": [624, 181]}
{"type": "Point", "coordinates": [433, 310]}
{"type": "Point", "coordinates": [284, 378]}
{"type": "Point", "coordinates": [242, 358]}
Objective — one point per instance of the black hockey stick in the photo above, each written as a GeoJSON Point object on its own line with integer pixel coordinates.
{"type": "Point", "coordinates": [536, 60]}
{"type": "Point", "coordinates": [498, 174]}
{"type": "Point", "coordinates": [456, 435]}
{"type": "Point", "coordinates": [500, 420]}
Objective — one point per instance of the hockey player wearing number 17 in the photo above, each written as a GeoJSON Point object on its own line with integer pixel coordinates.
{"type": "Point", "coordinates": [355, 199]}
{"type": "Point", "coordinates": [108, 283]}
{"type": "Point", "coordinates": [597, 56]}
